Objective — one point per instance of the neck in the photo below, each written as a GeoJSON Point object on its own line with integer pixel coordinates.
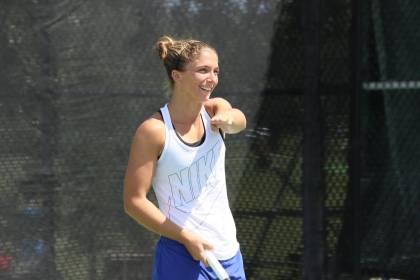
{"type": "Point", "coordinates": [184, 110]}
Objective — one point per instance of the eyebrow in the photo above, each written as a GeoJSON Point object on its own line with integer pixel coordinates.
{"type": "Point", "coordinates": [206, 66]}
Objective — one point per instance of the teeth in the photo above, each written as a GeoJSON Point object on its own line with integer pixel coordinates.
{"type": "Point", "coordinates": [208, 89]}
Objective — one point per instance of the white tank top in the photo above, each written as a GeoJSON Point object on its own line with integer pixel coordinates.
{"type": "Point", "coordinates": [190, 187]}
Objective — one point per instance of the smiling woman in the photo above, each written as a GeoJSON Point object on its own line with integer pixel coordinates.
{"type": "Point", "coordinates": [202, 73]}
{"type": "Point", "coordinates": [180, 152]}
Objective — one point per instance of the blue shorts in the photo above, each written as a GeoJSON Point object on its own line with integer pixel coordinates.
{"type": "Point", "coordinates": [172, 261]}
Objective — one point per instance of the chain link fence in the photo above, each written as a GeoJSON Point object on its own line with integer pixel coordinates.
{"type": "Point", "coordinates": [390, 143]}
{"type": "Point", "coordinates": [389, 199]}
{"type": "Point", "coordinates": [78, 77]}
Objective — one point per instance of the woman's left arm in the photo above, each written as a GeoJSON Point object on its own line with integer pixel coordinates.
{"type": "Point", "coordinates": [229, 120]}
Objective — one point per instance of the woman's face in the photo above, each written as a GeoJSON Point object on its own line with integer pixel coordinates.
{"type": "Point", "coordinates": [200, 76]}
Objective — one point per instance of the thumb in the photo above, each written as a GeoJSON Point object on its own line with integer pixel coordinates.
{"type": "Point", "coordinates": [207, 246]}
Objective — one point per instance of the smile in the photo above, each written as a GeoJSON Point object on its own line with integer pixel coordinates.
{"type": "Point", "coordinates": [207, 88]}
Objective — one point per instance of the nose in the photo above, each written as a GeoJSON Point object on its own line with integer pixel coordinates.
{"type": "Point", "coordinates": [214, 77]}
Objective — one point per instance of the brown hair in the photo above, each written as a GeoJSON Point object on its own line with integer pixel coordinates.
{"type": "Point", "coordinates": [176, 54]}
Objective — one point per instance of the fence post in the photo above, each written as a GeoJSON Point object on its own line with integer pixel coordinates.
{"type": "Point", "coordinates": [355, 145]}
{"type": "Point", "coordinates": [313, 183]}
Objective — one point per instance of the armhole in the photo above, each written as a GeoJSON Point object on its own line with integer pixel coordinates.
{"type": "Point", "coordinates": [222, 134]}
{"type": "Point", "coordinates": [164, 145]}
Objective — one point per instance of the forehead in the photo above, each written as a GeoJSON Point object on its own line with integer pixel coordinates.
{"type": "Point", "coordinates": [206, 57]}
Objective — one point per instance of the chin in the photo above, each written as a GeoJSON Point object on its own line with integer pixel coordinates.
{"type": "Point", "coordinates": [205, 96]}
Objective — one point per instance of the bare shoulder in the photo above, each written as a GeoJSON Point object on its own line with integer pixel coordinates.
{"type": "Point", "coordinates": [151, 132]}
{"type": "Point", "coordinates": [214, 104]}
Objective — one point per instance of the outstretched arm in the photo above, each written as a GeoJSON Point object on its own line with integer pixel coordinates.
{"type": "Point", "coordinates": [229, 120]}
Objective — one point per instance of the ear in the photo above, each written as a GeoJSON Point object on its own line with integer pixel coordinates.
{"type": "Point", "coordinates": [175, 75]}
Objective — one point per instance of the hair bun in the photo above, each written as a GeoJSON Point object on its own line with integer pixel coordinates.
{"type": "Point", "coordinates": [162, 46]}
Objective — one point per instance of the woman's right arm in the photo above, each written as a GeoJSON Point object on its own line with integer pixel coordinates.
{"type": "Point", "coordinates": [145, 148]}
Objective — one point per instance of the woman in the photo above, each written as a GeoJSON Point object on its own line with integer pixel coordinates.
{"type": "Point", "coordinates": [180, 151]}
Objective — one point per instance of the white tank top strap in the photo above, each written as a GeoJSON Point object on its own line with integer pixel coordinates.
{"type": "Point", "coordinates": [206, 116]}
{"type": "Point", "coordinates": [207, 122]}
{"type": "Point", "coordinates": [166, 117]}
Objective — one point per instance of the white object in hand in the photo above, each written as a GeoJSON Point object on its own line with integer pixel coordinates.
{"type": "Point", "coordinates": [216, 266]}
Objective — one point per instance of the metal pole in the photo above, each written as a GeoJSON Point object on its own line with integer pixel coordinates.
{"type": "Point", "coordinates": [355, 148]}
{"type": "Point", "coordinates": [313, 182]}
